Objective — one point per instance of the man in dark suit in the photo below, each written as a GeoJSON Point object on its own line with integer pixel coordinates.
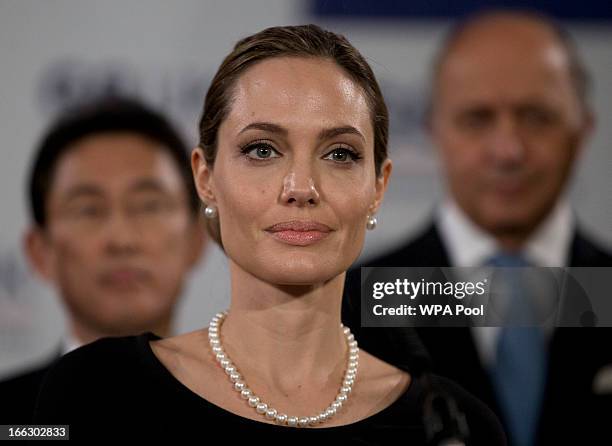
{"type": "Point", "coordinates": [509, 114]}
{"type": "Point", "coordinates": [116, 229]}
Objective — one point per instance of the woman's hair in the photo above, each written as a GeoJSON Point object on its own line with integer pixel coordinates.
{"type": "Point", "coordinates": [308, 41]}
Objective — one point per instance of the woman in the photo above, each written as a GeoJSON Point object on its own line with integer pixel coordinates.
{"type": "Point", "coordinates": [292, 166]}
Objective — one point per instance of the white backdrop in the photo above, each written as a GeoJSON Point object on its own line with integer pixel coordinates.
{"type": "Point", "coordinates": [53, 52]}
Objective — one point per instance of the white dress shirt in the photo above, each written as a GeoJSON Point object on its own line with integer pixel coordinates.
{"type": "Point", "coordinates": [69, 343]}
{"type": "Point", "coordinates": [468, 245]}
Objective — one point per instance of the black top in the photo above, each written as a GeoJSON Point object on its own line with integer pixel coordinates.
{"type": "Point", "coordinates": [18, 394]}
{"type": "Point", "coordinates": [116, 388]}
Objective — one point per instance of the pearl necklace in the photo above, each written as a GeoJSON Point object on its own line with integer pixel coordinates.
{"type": "Point", "coordinates": [266, 410]}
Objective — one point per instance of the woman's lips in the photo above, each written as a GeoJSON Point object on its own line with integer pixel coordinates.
{"type": "Point", "coordinates": [299, 232]}
{"type": "Point", "coordinates": [299, 238]}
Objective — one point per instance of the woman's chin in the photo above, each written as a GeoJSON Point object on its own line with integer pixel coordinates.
{"type": "Point", "coordinates": [304, 268]}
{"type": "Point", "coordinates": [299, 273]}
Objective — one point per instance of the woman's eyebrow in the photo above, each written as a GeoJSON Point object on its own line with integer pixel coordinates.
{"type": "Point", "coordinates": [267, 127]}
{"type": "Point", "coordinates": [336, 131]}
{"type": "Point", "coordinates": [323, 134]}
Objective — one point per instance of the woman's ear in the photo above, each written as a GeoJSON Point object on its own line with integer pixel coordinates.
{"type": "Point", "coordinates": [382, 181]}
{"type": "Point", "coordinates": [202, 176]}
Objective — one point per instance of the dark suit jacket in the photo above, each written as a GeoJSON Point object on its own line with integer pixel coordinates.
{"type": "Point", "coordinates": [572, 413]}
{"type": "Point", "coordinates": [18, 394]}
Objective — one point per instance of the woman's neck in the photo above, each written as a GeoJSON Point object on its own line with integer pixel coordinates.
{"type": "Point", "coordinates": [286, 335]}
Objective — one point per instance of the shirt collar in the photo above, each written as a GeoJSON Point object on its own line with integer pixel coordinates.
{"type": "Point", "coordinates": [70, 343]}
{"type": "Point", "coordinates": [469, 245]}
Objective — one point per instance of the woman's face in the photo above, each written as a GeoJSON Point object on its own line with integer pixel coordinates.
{"type": "Point", "coordinates": [294, 178]}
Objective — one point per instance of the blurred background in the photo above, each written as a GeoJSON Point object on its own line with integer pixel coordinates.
{"type": "Point", "coordinates": [54, 54]}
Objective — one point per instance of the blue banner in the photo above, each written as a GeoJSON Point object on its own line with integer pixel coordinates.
{"type": "Point", "coordinates": [584, 10]}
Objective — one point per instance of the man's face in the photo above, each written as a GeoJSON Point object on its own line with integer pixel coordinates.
{"type": "Point", "coordinates": [120, 237]}
{"type": "Point", "coordinates": [508, 124]}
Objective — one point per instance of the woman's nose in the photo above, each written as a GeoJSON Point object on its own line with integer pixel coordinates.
{"type": "Point", "coordinates": [299, 190]}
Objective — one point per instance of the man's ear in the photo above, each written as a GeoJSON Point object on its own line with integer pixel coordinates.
{"type": "Point", "coordinates": [202, 176]}
{"type": "Point", "coordinates": [432, 131]}
{"type": "Point", "coordinates": [586, 130]}
{"type": "Point", "coordinates": [39, 252]}
{"type": "Point", "coordinates": [381, 184]}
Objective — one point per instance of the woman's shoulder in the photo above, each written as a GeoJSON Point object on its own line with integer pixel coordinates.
{"type": "Point", "coordinates": [405, 400]}
{"type": "Point", "coordinates": [103, 355]}
{"type": "Point", "coordinates": [444, 399]}
{"type": "Point", "coordinates": [380, 383]}
{"type": "Point", "coordinates": [98, 371]}
{"type": "Point", "coordinates": [183, 354]}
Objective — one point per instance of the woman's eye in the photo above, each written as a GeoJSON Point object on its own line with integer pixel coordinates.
{"type": "Point", "coordinates": [260, 152]}
{"type": "Point", "coordinates": [341, 155]}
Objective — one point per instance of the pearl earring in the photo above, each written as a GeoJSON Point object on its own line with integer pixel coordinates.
{"type": "Point", "coordinates": [210, 212]}
{"type": "Point", "coordinates": [371, 222]}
